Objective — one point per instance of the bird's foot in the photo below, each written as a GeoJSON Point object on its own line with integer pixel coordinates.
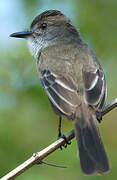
{"type": "Point", "coordinates": [66, 141]}
{"type": "Point", "coordinates": [99, 116]}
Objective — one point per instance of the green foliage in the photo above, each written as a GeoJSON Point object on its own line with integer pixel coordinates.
{"type": "Point", "coordinates": [27, 122]}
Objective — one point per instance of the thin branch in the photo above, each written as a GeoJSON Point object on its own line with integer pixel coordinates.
{"type": "Point", "coordinates": [37, 158]}
{"type": "Point", "coordinates": [110, 106]}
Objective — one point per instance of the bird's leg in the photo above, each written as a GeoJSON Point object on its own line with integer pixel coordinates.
{"type": "Point", "coordinates": [60, 135]}
{"type": "Point", "coordinates": [99, 116]}
{"type": "Point", "coordinates": [59, 127]}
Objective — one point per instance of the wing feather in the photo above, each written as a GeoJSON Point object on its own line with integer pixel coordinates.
{"type": "Point", "coordinates": [61, 91]}
{"type": "Point", "coordinates": [95, 88]}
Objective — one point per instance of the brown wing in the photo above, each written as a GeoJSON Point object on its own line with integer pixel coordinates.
{"type": "Point", "coordinates": [95, 88]}
{"type": "Point", "coordinates": [61, 92]}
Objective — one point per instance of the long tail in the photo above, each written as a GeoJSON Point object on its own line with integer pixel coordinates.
{"type": "Point", "coordinates": [92, 155]}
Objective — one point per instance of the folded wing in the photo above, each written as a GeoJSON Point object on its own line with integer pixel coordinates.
{"type": "Point", "coordinates": [61, 91]}
{"type": "Point", "coordinates": [95, 88]}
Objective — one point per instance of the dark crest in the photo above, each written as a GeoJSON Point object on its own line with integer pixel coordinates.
{"type": "Point", "coordinates": [46, 14]}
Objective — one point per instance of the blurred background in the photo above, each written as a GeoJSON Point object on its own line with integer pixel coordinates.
{"type": "Point", "coordinates": [27, 122]}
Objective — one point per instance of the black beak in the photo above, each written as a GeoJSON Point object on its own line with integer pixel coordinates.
{"type": "Point", "coordinates": [22, 34]}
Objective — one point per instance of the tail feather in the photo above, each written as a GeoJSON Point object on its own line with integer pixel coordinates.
{"type": "Point", "coordinates": [92, 155]}
{"type": "Point", "coordinates": [87, 164]}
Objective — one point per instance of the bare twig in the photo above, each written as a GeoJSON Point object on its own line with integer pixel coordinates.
{"type": "Point", "coordinates": [37, 158]}
{"type": "Point", "coordinates": [110, 106]}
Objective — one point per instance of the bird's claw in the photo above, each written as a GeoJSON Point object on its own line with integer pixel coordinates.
{"type": "Point", "coordinates": [66, 141]}
{"type": "Point", "coordinates": [99, 116]}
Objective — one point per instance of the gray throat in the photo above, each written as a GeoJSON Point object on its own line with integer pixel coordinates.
{"type": "Point", "coordinates": [36, 45]}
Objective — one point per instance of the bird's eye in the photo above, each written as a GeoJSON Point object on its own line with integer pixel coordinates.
{"type": "Point", "coordinates": [43, 26]}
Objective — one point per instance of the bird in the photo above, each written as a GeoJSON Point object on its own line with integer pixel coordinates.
{"type": "Point", "coordinates": [74, 81]}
